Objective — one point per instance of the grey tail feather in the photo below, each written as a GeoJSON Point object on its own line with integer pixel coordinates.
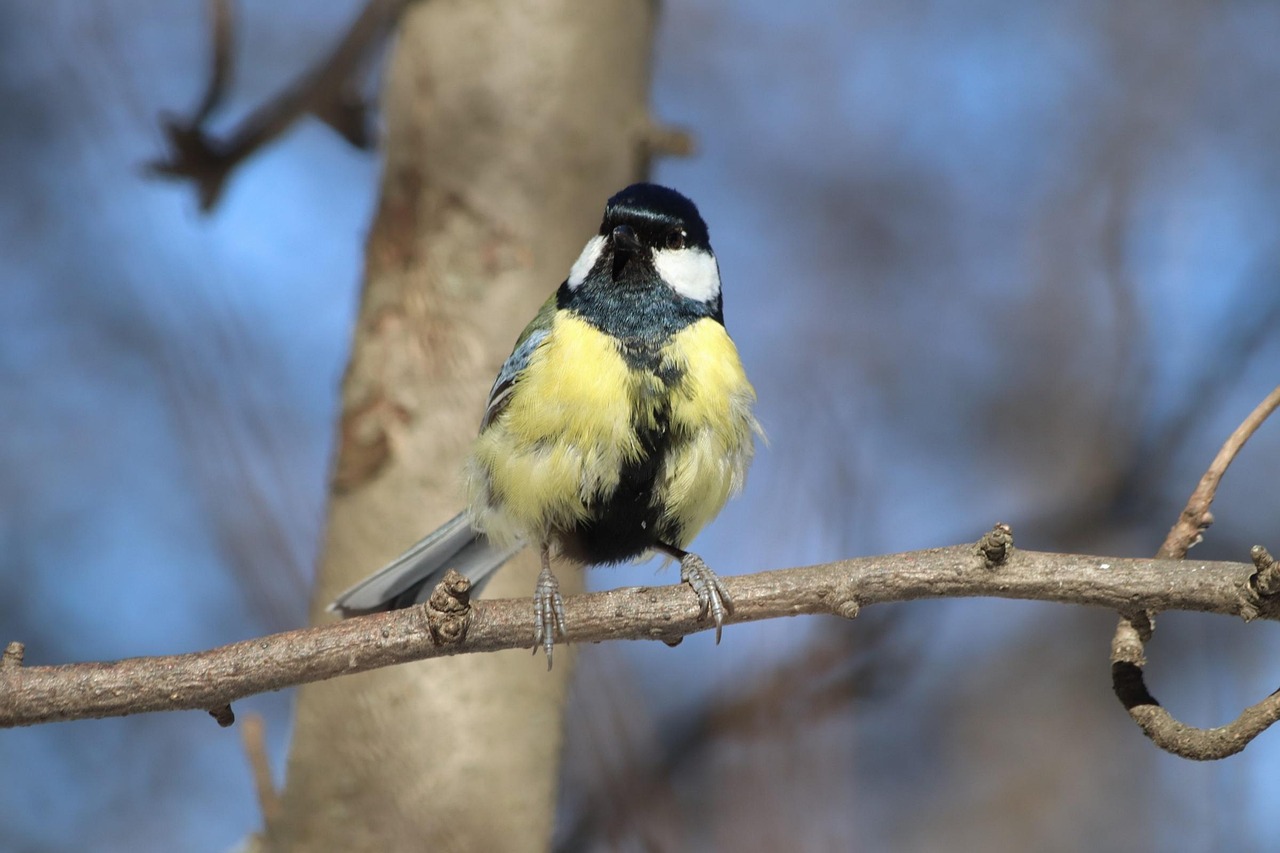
{"type": "Point", "coordinates": [410, 578]}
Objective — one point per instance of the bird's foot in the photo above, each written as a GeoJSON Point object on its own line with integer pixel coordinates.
{"type": "Point", "coordinates": [548, 613]}
{"type": "Point", "coordinates": [712, 597]}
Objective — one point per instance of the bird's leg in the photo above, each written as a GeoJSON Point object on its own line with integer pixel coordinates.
{"type": "Point", "coordinates": [548, 607]}
{"type": "Point", "coordinates": [712, 597]}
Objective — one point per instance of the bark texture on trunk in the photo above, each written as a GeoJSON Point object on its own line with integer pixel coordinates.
{"type": "Point", "coordinates": [508, 124]}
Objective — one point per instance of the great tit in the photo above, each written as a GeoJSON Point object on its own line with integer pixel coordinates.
{"type": "Point", "coordinates": [618, 427]}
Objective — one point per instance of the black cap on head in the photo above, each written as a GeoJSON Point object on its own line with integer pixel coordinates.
{"type": "Point", "coordinates": [654, 208]}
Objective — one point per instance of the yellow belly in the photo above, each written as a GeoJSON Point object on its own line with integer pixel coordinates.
{"type": "Point", "coordinates": [576, 419]}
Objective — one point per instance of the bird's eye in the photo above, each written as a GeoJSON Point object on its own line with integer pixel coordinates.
{"type": "Point", "coordinates": [676, 238]}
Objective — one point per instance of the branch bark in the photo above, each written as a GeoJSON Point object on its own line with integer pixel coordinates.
{"type": "Point", "coordinates": [203, 680]}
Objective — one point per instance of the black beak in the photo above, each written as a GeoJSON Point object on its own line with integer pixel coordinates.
{"type": "Point", "coordinates": [625, 240]}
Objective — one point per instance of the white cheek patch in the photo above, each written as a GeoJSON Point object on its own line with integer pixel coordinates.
{"type": "Point", "coordinates": [692, 273]}
{"type": "Point", "coordinates": [582, 266]}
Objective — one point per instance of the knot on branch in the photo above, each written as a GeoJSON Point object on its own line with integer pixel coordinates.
{"type": "Point", "coordinates": [1193, 523]}
{"type": "Point", "coordinates": [1128, 646]}
{"type": "Point", "coordinates": [449, 609]}
{"type": "Point", "coordinates": [223, 716]}
{"type": "Point", "coordinates": [1263, 586]}
{"type": "Point", "coordinates": [13, 654]}
{"type": "Point", "coordinates": [672, 640]}
{"type": "Point", "coordinates": [996, 545]}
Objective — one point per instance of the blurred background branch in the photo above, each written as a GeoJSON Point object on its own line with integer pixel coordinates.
{"type": "Point", "coordinates": [331, 91]}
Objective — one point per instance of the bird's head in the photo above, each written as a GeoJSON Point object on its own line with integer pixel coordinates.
{"type": "Point", "coordinates": [651, 232]}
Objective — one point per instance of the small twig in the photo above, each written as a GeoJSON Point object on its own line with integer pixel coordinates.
{"type": "Point", "coordinates": [220, 676]}
{"type": "Point", "coordinates": [253, 735]}
{"type": "Point", "coordinates": [221, 25]}
{"type": "Point", "coordinates": [1195, 517]}
{"type": "Point", "coordinates": [1128, 647]}
{"type": "Point", "coordinates": [326, 91]}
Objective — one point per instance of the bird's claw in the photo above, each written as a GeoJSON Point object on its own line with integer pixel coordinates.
{"type": "Point", "coordinates": [548, 613]}
{"type": "Point", "coordinates": [713, 599]}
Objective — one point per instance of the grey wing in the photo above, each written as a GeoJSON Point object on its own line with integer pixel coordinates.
{"type": "Point", "coordinates": [509, 375]}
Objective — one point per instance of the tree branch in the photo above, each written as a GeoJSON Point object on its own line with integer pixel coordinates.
{"type": "Point", "coordinates": [1128, 647]}
{"type": "Point", "coordinates": [327, 91]}
{"type": "Point", "coordinates": [450, 624]}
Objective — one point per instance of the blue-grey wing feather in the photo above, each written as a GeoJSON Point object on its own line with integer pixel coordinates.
{"type": "Point", "coordinates": [509, 375]}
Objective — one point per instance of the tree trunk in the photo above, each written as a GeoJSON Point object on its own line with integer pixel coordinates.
{"type": "Point", "coordinates": [508, 124]}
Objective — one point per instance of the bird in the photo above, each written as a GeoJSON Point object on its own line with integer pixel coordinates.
{"type": "Point", "coordinates": [619, 426]}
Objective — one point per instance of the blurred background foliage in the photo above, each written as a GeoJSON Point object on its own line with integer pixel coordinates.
{"type": "Point", "coordinates": [985, 260]}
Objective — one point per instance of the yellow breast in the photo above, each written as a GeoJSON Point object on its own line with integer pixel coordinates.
{"type": "Point", "coordinates": [561, 443]}
{"type": "Point", "coordinates": [712, 427]}
{"type": "Point", "coordinates": [562, 439]}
